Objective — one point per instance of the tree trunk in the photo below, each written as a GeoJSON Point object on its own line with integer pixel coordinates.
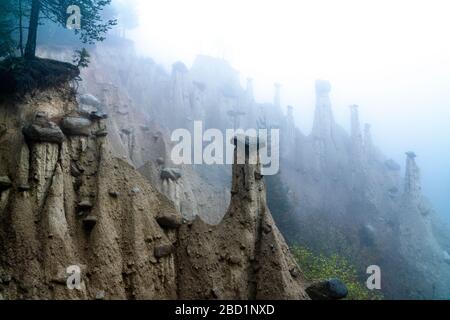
{"type": "Point", "coordinates": [20, 29]}
{"type": "Point", "coordinates": [30, 49]}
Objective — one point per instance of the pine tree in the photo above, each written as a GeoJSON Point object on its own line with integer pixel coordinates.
{"type": "Point", "coordinates": [12, 14]}
{"type": "Point", "coordinates": [5, 27]}
{"type": "Point", "coordinates": [92, 28]}
{"type": "Point", "coordinates": [280, 206]}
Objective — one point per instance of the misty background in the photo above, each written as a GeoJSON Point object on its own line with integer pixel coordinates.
{"type": "Point", "coordinates": [392, 58]}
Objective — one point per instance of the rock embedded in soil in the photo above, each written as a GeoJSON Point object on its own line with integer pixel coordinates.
{"type": "Point", "coordinates": [5, 183]}
{"type": "Point", "coordinates": [100, 295]}
{"type": "Point", "coordinates": [113, 194]}
{"type": "Point", "coordinates": [169, 221]}
{"type": "Point", "coordinates": [2, 130]}
{"type": "Point", "coordinates": [85, 205]}
{"type": "Point", "coordinates": [38, 133]}
{"type": "Point", "coordinates": [163, 250]}
{"type": "Point", "coordinates": [89, 222]}
{"type": "Point", "coordinates": [98, 115]}
{"type": "Point", "coordinates": [170, 173]}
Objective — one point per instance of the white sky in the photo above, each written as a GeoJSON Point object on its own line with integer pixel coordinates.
{"type": "Point", "coordinates": [392, 57]}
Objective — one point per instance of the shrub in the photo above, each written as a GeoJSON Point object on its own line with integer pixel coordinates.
{"type": "Point", "coordinates": [81, 58]}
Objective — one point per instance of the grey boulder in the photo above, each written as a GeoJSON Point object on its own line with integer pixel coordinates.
{"type": "Point", "coordinates": [170, 173]}
{"type": "Point", "coordinates": [76, 126]}
{"type": "Point", "coordinates": [90, 100]}
{"type": "Point", "coordinates": [331, 289]}
{"type": "Point", "coordinates": [43, 132]}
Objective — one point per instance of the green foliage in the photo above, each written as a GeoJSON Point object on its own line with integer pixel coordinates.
{"type": "Point", "coordinates": [322, 267]}
{"type": "Point", "coordinates": [280, 206]}
{"type": "Point", "coordinates": [9, 26]}
{"type": "Point", "coordinates": [93, 27]}
{"type": "Point", "coordinates": [7, 43]}
{"type": "Point", "coordinates": [81, 58]}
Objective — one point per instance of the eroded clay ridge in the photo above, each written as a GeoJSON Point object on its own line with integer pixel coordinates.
{"type": "Point", "coordinates": [243, 257]}
{"type": "Point", "coordinates": [67, 199]}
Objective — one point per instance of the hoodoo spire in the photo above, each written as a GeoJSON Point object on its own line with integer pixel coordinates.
{"type": "Point", "coordinates": [355, 127]}
{"type": "Point", "coordinates": [290, 120]}
{"type": "Point", "coordinates": [180, 102]}
{"type": "Point", "coordinates": [277, 95]}
{"type": "Point", "coordinates": [412, 175]}
{"type": "Point", "coordinates": [355, 131]}
{"type": "Point", "coordinates": [368, 144]}
{"type": "Point", "coordinates": [323, 117]}
{"type": "Point", "coordinates": [288, 142]}
{"type": "Point", "coordinates": [249, 89]}
{"type": "Point", "coordinates": [245, 256]}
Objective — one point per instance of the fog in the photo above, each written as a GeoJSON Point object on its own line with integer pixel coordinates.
{"type": "Point", "coordinates": [390, 57]}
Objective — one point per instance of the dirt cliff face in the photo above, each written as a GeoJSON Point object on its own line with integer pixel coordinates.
{"type": "Point", "coordinates": [69, 198]}
{"type": "Point", "coordinates": [71, 202]}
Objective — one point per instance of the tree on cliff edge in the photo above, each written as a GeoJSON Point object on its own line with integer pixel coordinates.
{"type": "Point", "coordinates": [13, 13]}
{"type": "Point", "coordinates": [6, 25]}
{"type": "Point", "coordinates": [92, 28]}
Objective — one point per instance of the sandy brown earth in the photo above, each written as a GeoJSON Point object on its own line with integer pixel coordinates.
{"type": "Point", "coordinates": [67, 199]}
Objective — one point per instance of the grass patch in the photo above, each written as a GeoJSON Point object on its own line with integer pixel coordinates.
{"type": "Point", "coordinates": [318, 267]}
